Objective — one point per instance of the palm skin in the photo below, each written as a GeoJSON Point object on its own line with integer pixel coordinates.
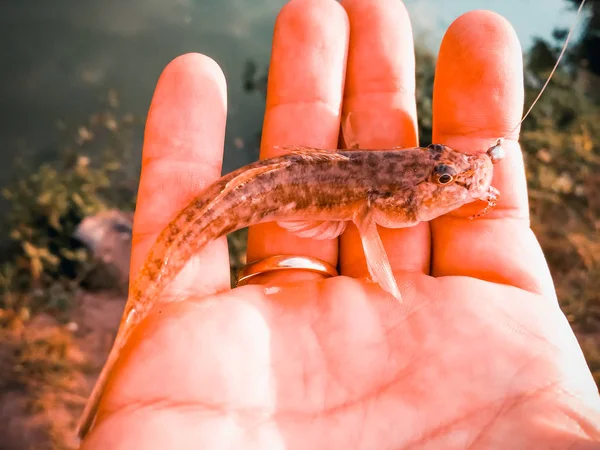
{"type": "Point", "coordinates": [478, 355]}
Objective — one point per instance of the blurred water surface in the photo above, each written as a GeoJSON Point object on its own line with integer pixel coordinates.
{"type": "Point", "coordinates": [59, 58]}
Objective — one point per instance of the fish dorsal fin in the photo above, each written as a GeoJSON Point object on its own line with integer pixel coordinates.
{"type": "Point", "coordinates": [315, 229]}
{"type": "Point", "coordinates": [245, 177]}
{"type": "Point", "coordinates": [314, 154]}
{"type": "Point", "coordinates": [348, 133]}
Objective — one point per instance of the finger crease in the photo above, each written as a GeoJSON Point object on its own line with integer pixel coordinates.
{"type": "Point", "coordinates": [362, 94]}
{"type": "Point", "coordinates": [334, 107]}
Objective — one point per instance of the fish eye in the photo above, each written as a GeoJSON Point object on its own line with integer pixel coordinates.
{"type": "Point", "coordinates": [444, 174]}
{"type": "Point", "coordinates": [444, 178]}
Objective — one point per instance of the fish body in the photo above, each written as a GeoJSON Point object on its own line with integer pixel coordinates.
{"type": "Point", "coordinates": [314, 193]}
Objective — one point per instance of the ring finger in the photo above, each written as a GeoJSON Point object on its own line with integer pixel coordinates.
{"type": "Point", "coordinates": [380, 97]}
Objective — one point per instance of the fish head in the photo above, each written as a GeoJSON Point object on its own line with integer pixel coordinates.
{"type": "Point", "coordinates": [455, 179]}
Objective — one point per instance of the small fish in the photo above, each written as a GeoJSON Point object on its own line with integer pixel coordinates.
{"type": "Point", "coordinates": [313, 193]}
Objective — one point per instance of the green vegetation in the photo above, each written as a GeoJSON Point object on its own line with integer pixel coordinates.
{"type": "Point", "coordinates": [45, 268]}
{"type": "Point", "coordinates": [45, 263]}
{"type": "Point", "coordinates": [562, 155]}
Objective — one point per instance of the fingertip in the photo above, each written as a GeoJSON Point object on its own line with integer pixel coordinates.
{"type": "Point", "coordinates": [188, 77]}
{"type": "Point", "coordinates": [185, 132]}
{"type": "Point", "coordinates": [381, 57]}
{"type": "Point", "coordinates": [380, 78]}
{"type": "Point", "coordinates": [479, 30]}
{"type": "Point", "coordinates": [196, 63]}
{"type": "Point", "coordinates": [310, 38]}
{"type": "Point", "coordinates": [304, 13]}
{"type": "Point", "coordinates": [310, 10]}
{"type": "Point", "coordinates": [486, 23]}
{"type": "Point", "coordinates": [479, 78]}
{"type": "Point", "coordinates": [182, 154]}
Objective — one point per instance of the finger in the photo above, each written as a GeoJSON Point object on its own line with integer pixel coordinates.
{"type": "Point", "coordinates": [380, 95]}
{"type": "Point", "coordinates": [183, 149]}
{"type": "Point", "coordinates": [478, 97]}
{"type": "Point", "coordinates": [304, 99]}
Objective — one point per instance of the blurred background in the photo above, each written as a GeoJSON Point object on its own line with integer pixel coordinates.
{"type": "Point", "coordinates": [76, 80]}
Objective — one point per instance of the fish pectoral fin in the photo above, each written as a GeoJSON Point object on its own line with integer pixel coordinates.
{"type": "Point", "coordinates": [315, 229]}
{"type": "Point", "coordinates": [375, 255]}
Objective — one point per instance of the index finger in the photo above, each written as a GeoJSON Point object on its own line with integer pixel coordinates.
{"type": "Point", "coordinates": [183, 149]}
{"type": "Point", "coordinates": [478, 98]}
{"type": "Point", "coordinates": [380, 95]}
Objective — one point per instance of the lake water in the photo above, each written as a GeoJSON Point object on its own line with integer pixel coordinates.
{"type": "Point", "coordinates": [59, 58]}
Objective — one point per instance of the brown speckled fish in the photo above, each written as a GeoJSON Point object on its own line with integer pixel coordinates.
{"type": "Point", "coordinates": [313, 193]}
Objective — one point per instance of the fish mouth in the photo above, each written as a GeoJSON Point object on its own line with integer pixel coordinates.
{"type": "Point", "coordinates": [478, 178]}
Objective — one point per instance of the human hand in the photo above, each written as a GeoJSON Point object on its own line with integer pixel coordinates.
{"type": "Point", "coordinates": [478, 355]}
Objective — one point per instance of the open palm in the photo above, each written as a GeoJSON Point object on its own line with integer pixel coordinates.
{"type": "Point", "coordinates": [478, 355]}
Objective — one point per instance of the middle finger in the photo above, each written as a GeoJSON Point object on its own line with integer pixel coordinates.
{"type": "Point", "coordinates": [380, 95]}
{"type": "Point", "coordinates": [304, 97]}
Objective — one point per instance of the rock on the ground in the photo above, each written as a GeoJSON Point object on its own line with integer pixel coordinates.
{"type": "Point", "coordinates": [108, 236]}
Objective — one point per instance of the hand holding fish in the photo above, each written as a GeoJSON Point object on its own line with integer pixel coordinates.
{"type": "Point", "coordinates": [477, 353]}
